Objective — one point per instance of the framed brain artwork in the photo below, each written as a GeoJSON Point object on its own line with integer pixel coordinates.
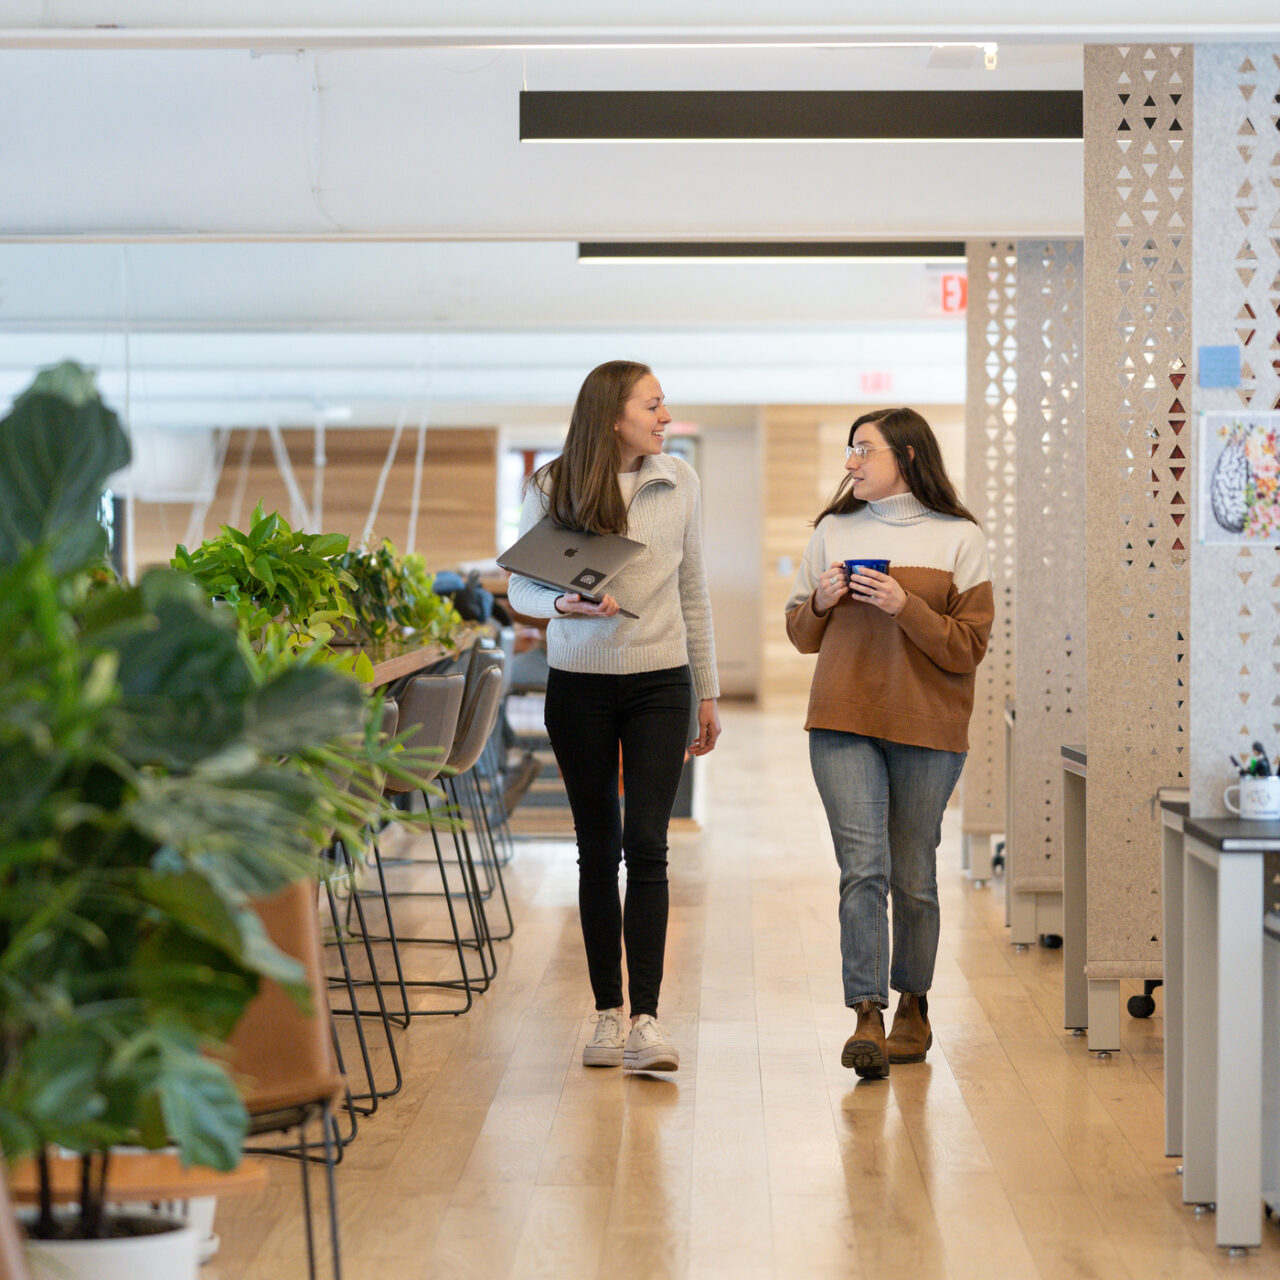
{"type": "Point", "coordinates": [1239, 471]}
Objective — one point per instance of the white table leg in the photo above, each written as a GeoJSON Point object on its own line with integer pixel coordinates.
{"type": "Point", "coordinates": [1199, 1028]}
{"type": "Point", "coordinates": [1075, 893]}
{"type": "Point", "coordinates": [1239, 1051]}
{"type": "Point", "coordinates": [1022, 918]}
{"type": "Point", "coordinates": [1171, 884]}
{"type": "Point", "coordinates": [977, 858]}
{"type": "Point", "coordinates": [1104, 1016]}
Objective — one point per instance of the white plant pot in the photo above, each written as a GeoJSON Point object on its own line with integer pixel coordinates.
{"type": "Point", "coordinates": [166, 1255]}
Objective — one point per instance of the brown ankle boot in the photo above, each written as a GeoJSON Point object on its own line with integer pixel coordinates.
{"type": "Point", "coordinates": [864, 1051]}
{"type": "Point", "coordinates": [911, 1035]}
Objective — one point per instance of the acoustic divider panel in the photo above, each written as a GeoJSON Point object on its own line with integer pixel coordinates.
{"type": "Point", "coordinates": [1138, 188]}
{"type": "Point", "coordinates": [990, 492]}
{"type": "Point", "coordinates": [1235, 593]}
{"type": "Point", "coordinates": [1049, 605]}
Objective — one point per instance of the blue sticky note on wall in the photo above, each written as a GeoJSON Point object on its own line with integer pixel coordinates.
{"type": "Point", "coordinates": [1219, 366]}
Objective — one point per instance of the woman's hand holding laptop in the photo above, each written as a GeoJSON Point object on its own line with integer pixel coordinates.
{"type": "Point", "coordinates": [574, 603]}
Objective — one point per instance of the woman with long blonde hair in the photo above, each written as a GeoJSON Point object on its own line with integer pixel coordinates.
{"type": "Point", "coordinates": [624, 672]}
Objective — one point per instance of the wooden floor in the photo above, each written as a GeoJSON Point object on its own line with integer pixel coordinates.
{"type": "Point", "coordinates": [1010, 1153]}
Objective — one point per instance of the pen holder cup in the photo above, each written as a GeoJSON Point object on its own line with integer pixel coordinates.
{"type": "Point", "coordinates": [1259, 798]}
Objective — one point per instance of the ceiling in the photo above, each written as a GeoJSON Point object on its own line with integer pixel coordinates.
{"type": "Point", "coordinates": [246, 211]}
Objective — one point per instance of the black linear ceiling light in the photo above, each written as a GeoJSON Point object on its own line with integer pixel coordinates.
{"type": "Point", "coordinates": [781, 251]}
{"type": "Point", "coordinates": [888, 115]}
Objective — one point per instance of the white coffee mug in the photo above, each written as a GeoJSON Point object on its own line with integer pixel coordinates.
{"type": "Point", "coordinates": [1259, 798]}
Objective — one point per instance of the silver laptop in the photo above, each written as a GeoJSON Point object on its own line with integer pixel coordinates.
{"type": "Point", "coordinates": [583, 563]}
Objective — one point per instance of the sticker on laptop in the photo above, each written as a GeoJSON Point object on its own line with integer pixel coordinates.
{"type": "Point", "coordinates": [587, 579]}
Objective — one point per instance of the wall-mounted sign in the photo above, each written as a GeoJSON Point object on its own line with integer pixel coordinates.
{"type": "Point", "coordinates": [1240, 478]}
{"type": "Point", "coordinates": [953, 293]}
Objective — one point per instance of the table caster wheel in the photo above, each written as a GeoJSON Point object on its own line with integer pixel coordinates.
{"type": "Point", "coordinates": [1201, 1210]}
{"type": "Point", "coordinates": [1051, 941]}
{"type": "Point", "coordinates": [979, 884]}
{"type": "Point", "coordinates": [1141, 1006]}
{"type": "Point", "coordinates": [1078, 1031]}
{"type": "Point", "coordinates": [1104, 1055]}
{"type": "Point", "coordinates": [1268, 1210]}
{"type": "Point", "coordinates": [1178, 1171]}
{"type": "Point", "coordinates": [997, 863]}
{"type": "Point", "coordinates": [1021, 946]}
{"type": "Point", "coordinates": [1237, 1251]}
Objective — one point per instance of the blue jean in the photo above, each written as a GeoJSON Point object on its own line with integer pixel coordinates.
{"type": "Point", "coordinates": [884, 803]}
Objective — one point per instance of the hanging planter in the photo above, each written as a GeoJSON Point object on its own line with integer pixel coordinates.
{"type": "Point", "coordinates": [169, 1250]}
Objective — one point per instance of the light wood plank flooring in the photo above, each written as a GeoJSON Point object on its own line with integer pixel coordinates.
{"type": "Point", "coordinates": [1011, 1153]}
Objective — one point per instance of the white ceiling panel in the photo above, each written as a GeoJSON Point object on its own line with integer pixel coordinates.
{"type": "Point", "coordinates": [424, 143]}
{"type": "Point", "coordinates": [550, 20]}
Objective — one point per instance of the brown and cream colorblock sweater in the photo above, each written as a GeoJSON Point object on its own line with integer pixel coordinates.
{"type": "Point", "coordinates": [907, 679]}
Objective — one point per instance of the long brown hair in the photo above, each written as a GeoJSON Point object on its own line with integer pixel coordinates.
{"type": "Point", "coordinates": [582, 483]}
{"type": "Point", "coordinates": [915, 448]}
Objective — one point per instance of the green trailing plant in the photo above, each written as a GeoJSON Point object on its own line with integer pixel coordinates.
{"type": "Point", "coordinates": [280, 582]}
{"type": "Point", "coordinates": [156, 774]}
{"type": "Point", "coordinates": [392, 595]}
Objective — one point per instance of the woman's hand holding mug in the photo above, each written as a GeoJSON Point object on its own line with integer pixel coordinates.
{"type": "Point", "coordinates": [879, 589]}
{"type": "Point", "coordinates": [832, 585]}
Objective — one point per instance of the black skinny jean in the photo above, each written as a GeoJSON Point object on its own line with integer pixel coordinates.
{"type": "Point", "coordinates": [588, 718]}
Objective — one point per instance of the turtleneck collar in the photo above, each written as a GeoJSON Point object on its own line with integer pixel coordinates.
{"type": "Point", "coordinates": [900, 508]}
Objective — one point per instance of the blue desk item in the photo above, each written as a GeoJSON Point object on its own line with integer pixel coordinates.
{"type": "Point", "coordinates": [1219, 366]}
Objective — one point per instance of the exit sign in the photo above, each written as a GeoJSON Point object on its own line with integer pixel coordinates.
{"type": "Point", "coordinates": [953, 293]}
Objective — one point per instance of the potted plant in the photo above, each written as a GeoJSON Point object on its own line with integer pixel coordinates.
{"type": "Point", "coordinates": [391, 596]}
{"type": "Point", "coordinates": [279, 581]}
{"type": "Point", "coordinates": [155, 775]}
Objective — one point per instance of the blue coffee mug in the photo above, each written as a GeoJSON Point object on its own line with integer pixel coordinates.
{"type": "Point", "coordinates": [852, 566]}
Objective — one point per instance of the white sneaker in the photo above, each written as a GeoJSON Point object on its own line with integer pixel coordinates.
{"type": "Point", "coordinates": [604, 1049]}
{"type": "Point", "coordinates": [648, 1048]}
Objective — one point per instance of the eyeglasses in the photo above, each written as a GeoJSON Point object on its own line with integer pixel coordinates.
{"type": "Point", "coordinates": [860, 451]}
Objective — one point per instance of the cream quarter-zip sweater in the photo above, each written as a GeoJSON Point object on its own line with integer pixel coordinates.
{"type": "Point", "coordinates": [907, 679]}
{"type": "Point", "coordinates": [665, 585]}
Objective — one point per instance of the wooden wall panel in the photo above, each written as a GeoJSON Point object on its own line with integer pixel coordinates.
{"type": "Point", "coordinates": [457, 516]}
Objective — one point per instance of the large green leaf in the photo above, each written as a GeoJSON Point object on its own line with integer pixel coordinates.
{"type": "Point", "coordinates": [202, 1111]}
{"type": "Point", "coordinates": [183, 976]}
{"type": "Point", "coordinates": [51, 1093]}
{"type": "Point", "coordinates": [184, 682]}
{"type": "Point", "coordinates": [56, 456]}
{"type": "Point", "coordinates": [193, 904]}
{"type": "Point", "coordinates": [304, 706]}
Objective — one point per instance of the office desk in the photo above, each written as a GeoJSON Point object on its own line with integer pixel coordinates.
{"type": "Point", "coordinates": [1088, 1002]}
{"type": "Point", "coordinates": [1075, 885]}
{"type": "Point", "coordinates": [1271, 1062]}
{"type": "Point", "coordinates": [1222, 1057]}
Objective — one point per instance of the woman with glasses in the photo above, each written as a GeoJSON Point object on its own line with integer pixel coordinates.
{"type": "Point", "coordinates": [623, 672]}
{"type": "Point", "coordinates": [889, 709]}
